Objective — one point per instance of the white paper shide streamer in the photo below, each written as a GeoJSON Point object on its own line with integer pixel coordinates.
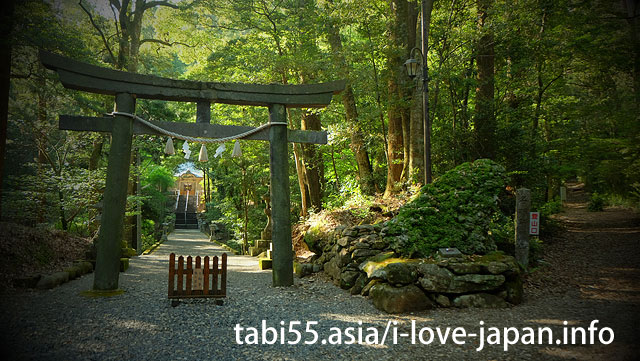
{"type": "Point", "coordinates": [237, 151]}
{"type": "Point", "coordinates": [186, 150]}
{"type": "Point", "coordinates": [168, 149]}
{"type": "Point", "coordinates": [203, 157]}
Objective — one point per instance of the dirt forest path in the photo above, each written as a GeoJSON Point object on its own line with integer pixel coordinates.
{"type": "Point", "coordinates": [596, 262]}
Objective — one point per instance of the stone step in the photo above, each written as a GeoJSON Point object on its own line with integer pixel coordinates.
{"type": "Point", "coordinates": [263, 243]}
{"type": "Point", "coordinates": [265, 263]}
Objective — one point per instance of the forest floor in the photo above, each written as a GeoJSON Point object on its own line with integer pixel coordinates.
{"type": "Point", "coordinates": [591, 271]}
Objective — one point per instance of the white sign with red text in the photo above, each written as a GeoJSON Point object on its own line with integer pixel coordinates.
{"type": "Point", "coordinates": [534, 223]}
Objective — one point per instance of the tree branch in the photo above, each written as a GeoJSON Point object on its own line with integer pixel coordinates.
{"type": "Point", "coordinates": [104, 39]}
{"type": "Point", "coordinates": [165, 43]}
{"type": "Point", "coordinates": [115, 4]}
{"type": "Point", "coordinates": [553, 80]}
{"type": "Point", "coordinates": [151, 4]}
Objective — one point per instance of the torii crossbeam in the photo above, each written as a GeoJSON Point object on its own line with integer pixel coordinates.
{"type": "Point", "coordinates": [126, 87]}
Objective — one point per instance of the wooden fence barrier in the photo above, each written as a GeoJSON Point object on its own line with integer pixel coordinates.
{"type": "Point", "coordinates": [199, 281]}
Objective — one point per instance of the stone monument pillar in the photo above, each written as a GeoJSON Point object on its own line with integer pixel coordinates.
{"type": "Point", "coordinates": [262, 247]}
{"type": "Point", "coordinates": [266, 233]}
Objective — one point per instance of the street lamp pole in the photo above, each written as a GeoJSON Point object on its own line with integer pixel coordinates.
{"type": "Point", "coordinates": [412, 70]}
{"type": "Point", "coordinates": [424, 31]}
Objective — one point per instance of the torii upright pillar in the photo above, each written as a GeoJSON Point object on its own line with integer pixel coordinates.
{"type": "Point", "coordinates": [115, 199]}
{"type": "Point", "coordinates": [280, 208]}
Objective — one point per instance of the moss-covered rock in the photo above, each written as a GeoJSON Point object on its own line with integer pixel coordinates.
{"type": "Point", "coordinates": [348, 279]}
{"type": "Point", "coordinates": [369, 285]}
{"type": "Point", "coordinates": [475, 283]}
{"type": "Point", "coordinates": [460, 209]}
{"type": "Point", "coordinates": [514, 290]}
{"type": "Point", "coordinates": [399, 299]}
{"type": "Point", "coordinates": [465, 267]}
{"type": "Point", "coordinates": [359, 284]}
{"type": "Point", "coordinates": [332, 268]}
{"type": "Point", "coordinates": [480, 300]}
{"type": "Point", "coordinates": [401, 273]}
{"type": "Point", "coordinates": [74, 272]}
{"type": "Point", "coordinates": [434, 278]}
{"type": "Point", "coordinates": [52, 280]}
{"type": "Point", "coordinates": [375, 266]}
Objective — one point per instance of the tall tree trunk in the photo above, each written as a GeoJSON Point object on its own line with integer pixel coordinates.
{"type": "Point", "coordinates": [633, 16]}
{"type": "Point", "coordinates": [41, 121]}
{"type": "Point", "coordinates": [398, 112]}
{"type": "Point", "coordinates": [464, 111]}
{"type": "Point", "coordinates": [412, 19]}
{"type": "Point", "coordinates": [312, 161]}
{"type": "Point", "coordinates": [6, 25]}
{"type": "Point", "coordinates": [374, 70]}
{"type": "Point", "coordinates": [304, 193]}
{"type": "Point", "coordinates": [485, 119]}
{"type": "Point", "coordinates": [357, 146]}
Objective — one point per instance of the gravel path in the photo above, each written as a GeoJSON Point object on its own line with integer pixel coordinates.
{"type": "Point", "coordinates": [60, 324]}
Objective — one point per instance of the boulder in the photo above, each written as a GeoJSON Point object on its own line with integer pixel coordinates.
{"type": "Point", "coordinates": [434, 278]}
{"type": "Point", "coordinates": [52, 280]}
{"type": "Point", "coordinates": [499, 263]}
{"type": "Point", "coordinates": [370, 238]}
{"type": "Point", "coordinates": [481, 300]}
{"type": "Point", "coordinates": [26, 281]}
{"type": "Point", "coordinates": [361, 245]}
{"type": "Point", "coordinates": [380, 257]}
{"type": "Point", "coordinates": [85, 266]}
{"type": "Point", "coordinates": [344, 241]}
{"type": "Point", "coordinates": [374, 266]}
{"type": "Point", "coordinates": [74, 272]}
{"type": "Point", "coordinates": [399, 299]}
{"type": "Point", "coordinates": [475, 283]}
{"type": "Point", "coordinates": [401, 273]}
{"type": "Point", "coordinates": [442, 300]}
{"type": "Point", "coordinates": [364, 253]}
{"type": "Point", "coordinates": [365, 229]}
{"type": "Point", "coordinates": [378, 244]}
{"type": "Point", "coordinates": [496, 268]}
{"type": "Point", "coordinates": [343, 258]}
{"type": "Point", "coordinates": [332, 269]}
{"type": "Point", "coordinates": [359, 284]}
{"type": "Point", "coordinates": [368, 286]}
{"type": "Point", "coordinates": [465, 268]}
{"type": "Point", "coordinates": [350, 232]}
{"type": "Point", "coordinates": [348, 279]}
{"type": "Point", "coordinates": [302, 269]}
{"type": "Point", "coordinates": [514, 290]}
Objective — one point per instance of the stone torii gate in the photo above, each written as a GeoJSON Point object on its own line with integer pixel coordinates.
{"type": "Point", "coordinates": [127, 87]}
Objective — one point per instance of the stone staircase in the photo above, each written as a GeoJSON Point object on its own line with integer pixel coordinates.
{"type": "Point", "coordinates": [186, 212]}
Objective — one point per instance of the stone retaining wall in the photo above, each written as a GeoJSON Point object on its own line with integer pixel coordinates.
{"type": "Point", "coordinates": [360, 260]}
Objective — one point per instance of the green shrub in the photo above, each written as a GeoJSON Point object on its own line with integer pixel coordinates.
{"type": "Point", "coordinates": [460, 209]}
{"type": "Point", "coordinates": [552, 207]}
{"type": "Point", "coordinates": [596, 202]}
